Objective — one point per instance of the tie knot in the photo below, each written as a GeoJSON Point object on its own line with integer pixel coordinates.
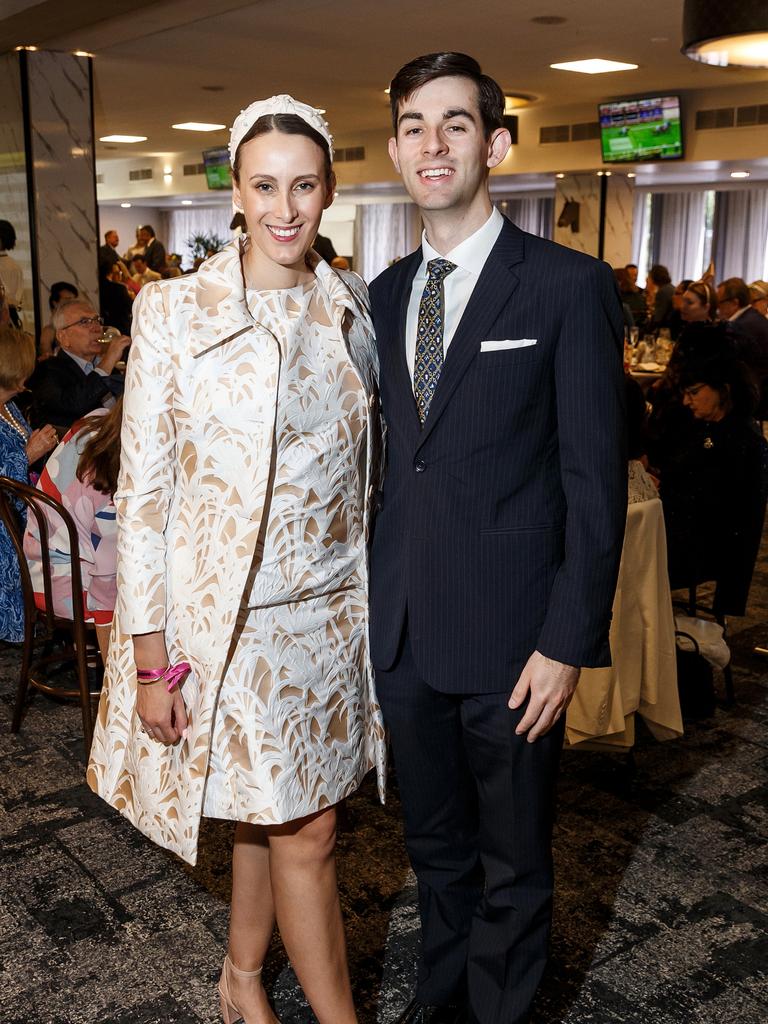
{"type": "Point", "coordinates": [438, 269]}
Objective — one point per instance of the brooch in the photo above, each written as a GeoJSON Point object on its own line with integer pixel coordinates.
{"type": "Point", "coordinates": [709, 443]}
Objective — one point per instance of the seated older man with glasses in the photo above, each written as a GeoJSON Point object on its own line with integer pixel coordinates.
{"type": "Point", "coordinates": [80, 378]}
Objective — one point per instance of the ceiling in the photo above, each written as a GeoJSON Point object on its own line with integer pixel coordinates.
{"type": "Point", "coordinates": [197, 60]}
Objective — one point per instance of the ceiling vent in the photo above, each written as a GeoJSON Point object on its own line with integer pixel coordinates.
{"type": "Point", "coordinates": [747, 117]}
{"type": "Point", "coordinates": [190, 170]}
{"type": "Point", "coordinates": [555, 133]}
{"type": "Point", "coordinates": [350, 154]}
{"type": "Point", "coordinates": [722, 117]}
{"type": "Point", "coordinates": [584, 132]}
{"type": "Point", "coordinates": [142, 174]}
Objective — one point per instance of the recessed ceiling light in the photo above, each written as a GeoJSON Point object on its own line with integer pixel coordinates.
{"type": "Point", "coordinates": [126, 206]}
{"type": "Point", "coordinates": [559, 175]}
{"type": "Point", "coordinates": [515, 100]}
{"type": "Point", "coordinates": [186, 202]}
{"type": "Point", "coordinates": [81, 53]}
{"type": "Point", "coordinates": [594, 66]}
{"type": "Point", "coordinates": [726, 35]}
{"type": "Point", "coordinates": [631, 174]}
{"type": "Point", "coordinates": [198, 126]}
{"type": "Point", "coordinates": [123, 138]}
{"type": "Point", "coordinates": [387, 90]}
{"type": "Point", "coordinates": [32, 49]}
{"type": "Point", "coordinates": [739, 174]}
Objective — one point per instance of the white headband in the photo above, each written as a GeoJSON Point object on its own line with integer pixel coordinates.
{"type": "Point", "coordinates": [282, 104]}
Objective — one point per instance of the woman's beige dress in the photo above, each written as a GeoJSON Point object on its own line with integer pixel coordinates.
{"type": "Point", "coordinates": [288, 738]}
{"type": "Point", "coordinates": [251, 450]}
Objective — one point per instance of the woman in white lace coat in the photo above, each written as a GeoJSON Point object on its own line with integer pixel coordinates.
{"type": "Point", "coordinates": [251, 446]}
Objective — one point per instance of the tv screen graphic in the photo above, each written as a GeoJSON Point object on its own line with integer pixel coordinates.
{"type": "Point", "coordinates": [218, 173]}
{"type": "Point", "coordinates": [645, 129]}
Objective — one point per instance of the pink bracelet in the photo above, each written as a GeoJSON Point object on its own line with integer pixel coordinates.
{"type": "Point", "coordinates": [172, 674]}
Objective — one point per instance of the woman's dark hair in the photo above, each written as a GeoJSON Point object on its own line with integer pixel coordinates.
{"type": "Point", "coordinates": [706, 295]}
{"type": "Point", "coordinates": [57, 288]}
{"type": "Point", "coordinates": [100, 460]}
{"type": "Point", "coordinates": [683, 286]}
{"type": "Point", "coordinates": [421, 70]}
{"type": "Point", "coordinates": [7, 235]}
{"type": "Point", "coordinates": [659, 275]}
{"type": "Point", "coordinates": [707, 357]}
{"type": "Point", "coordinates": [623, 279]}
{"type": "Point", "coordinates": [288, 124]}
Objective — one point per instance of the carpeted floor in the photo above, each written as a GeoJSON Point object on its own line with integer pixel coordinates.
{"type": "Point", "coordinates": [661, 913]}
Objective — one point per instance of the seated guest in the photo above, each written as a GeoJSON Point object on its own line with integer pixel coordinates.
{"type": "Point", "coordinates": [82, 475]}
{"type": "Point", "coordinates": [713, 466]}
{"type": "Point", "coordinates": [750, 332]}
{"type": "Point", "coordinates": [661, 289]}
{"type": "Point", "coordinates": [675, 322]}
{"type": "Point", "coordinates": [698, 304]}
{"type": "Point", "coordinates": [625, 292]}
{"type": "Point", "coordinates": [632, 295]}
{"type": "Point", "coordinates": [758, 297]}
{"type": "Point", "coordinates": [154, 251]}
{"type": "Point", "coordinates": [80, 376]}
{"type": "Point", "coordinates": [61, 291]}
{"type": "Point", "coordinates": [114, 299]}
{"type": "Point", "coordinates": [141, 273]}
{"type": "Point", "coordinates": [19, 446]}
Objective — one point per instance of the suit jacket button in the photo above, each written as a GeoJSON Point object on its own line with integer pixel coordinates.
{"type": "Point", "coordinates": [420, 466]}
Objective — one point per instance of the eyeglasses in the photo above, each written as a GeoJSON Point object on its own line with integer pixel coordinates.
{"type": "Point", "coordinates": [85, 321]}
{"type": "Point", "coordinates": [693, 390]}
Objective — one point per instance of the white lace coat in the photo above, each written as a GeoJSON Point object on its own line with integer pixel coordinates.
{"type": "Point", "coordinates": [197, 451]}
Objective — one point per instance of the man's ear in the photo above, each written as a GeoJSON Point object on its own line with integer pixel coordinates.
{"type": "Point", "coordinates": [330, 194]}
{"type": "Point", "coordinates": [392, 150]}
{"type": "Point", "coordinates": [498, 147]}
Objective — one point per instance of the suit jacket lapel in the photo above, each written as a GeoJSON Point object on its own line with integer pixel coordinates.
{"type": "Point", "coordinates": [493, 290]}
{"type": "Point", "coordinates": [402, 388]}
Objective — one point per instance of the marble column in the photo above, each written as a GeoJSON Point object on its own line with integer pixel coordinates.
{"type": "Point", "coordinates": [47, 173]}
{"type": "Point", "coordinates": [605, 215]}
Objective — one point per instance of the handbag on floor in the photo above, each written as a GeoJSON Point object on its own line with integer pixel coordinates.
{"type": "Point", "coordinates": [695, 682]}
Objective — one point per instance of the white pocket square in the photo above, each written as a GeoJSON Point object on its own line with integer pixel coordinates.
{"type": "Point", "coordinates": [498, 346]}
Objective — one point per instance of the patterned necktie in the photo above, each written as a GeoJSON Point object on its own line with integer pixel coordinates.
{"type": "Point", "coordinates": [429, 336]}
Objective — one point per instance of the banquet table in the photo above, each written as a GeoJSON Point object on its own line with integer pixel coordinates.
{"type": "Point", "coordinates": [643, 677]}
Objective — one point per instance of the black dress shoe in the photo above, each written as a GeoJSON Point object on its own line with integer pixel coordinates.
{"type": "Point", "coordinates": [417, 1013]}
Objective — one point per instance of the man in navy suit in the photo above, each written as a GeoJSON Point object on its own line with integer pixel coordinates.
{"type": "Point", "coordinates": [497, 542]}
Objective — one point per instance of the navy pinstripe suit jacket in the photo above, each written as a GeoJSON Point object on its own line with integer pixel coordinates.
{"type": "Point", "coordinates": [500, 523]}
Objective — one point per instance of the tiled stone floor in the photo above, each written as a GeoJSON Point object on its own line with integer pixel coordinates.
{"type": "Point", "coordinates": [661, 912]}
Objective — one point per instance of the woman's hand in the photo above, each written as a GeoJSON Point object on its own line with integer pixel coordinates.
{"type": "Point", "coordinates": [162, 714]}
{"type": "Point", "coordinates": [40, 442]}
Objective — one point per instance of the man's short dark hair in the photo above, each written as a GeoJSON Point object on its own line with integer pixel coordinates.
{"type": "Point", "coordinates": [421, 70]}
{"type": "Point", "coordinates": [149, 228]}
{"type": "Point", "coordinates": [630, 266]}
{"type": "Point", "coordinates": [7, 235]}
{"type": "Point", "coordinates": [735, 288]}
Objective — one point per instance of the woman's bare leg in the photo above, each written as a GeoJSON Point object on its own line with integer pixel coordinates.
{"type": "Point", "coordinates": [102, 637]}
{"type": "Point", "coordinates": [302, 866]}
{"type": "Point", "coordinates": [252, 921]}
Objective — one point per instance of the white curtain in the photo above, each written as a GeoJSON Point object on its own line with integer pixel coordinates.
{"type": "Point", "coordinates": [741, 234]}
{"type": "Point", "coordinates": [198, 220]}
{"type": "Point", "coordinates": [679, 223]}
{"type": "Point", "coordinates": [641, 233]}
{"type": "Point", "coordinates": [384, 232]}
{"type": "Point", "coordinates": [535, 214]}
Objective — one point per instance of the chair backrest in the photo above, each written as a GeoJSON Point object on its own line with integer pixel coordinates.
{"type": "Point", "coordinates": [12, 494]}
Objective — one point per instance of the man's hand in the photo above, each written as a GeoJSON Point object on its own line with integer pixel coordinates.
{"type": "Point", "coordinates": [551, 685]}
{"type": "Point", "coordinates": [114, 352]}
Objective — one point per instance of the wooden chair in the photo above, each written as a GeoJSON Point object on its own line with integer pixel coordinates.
{"type": "Point", "coordinates": [65, 642]}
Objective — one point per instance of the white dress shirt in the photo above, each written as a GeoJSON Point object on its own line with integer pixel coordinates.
{"type": "Point", "coordinates": [469, 257]}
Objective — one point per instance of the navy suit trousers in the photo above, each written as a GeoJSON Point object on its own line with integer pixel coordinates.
{"type": "Point", "coordinates": [478, 804]}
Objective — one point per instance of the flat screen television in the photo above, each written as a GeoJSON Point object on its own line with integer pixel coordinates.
{"type": "Point", "coordinates": [646, 129]}
{"type": "Point", "coordinates": [218, 173]}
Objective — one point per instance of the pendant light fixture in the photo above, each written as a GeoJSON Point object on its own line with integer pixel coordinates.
{"type": "Point", "coordinates": [726, 34]}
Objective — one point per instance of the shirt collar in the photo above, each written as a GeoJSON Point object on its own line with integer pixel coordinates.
{"type": "Point", "coordinates": [86, 365]}
{"type": "Point", "coordinates": [738, 313]}
{"type": "Point", "coordinates": [471, 254]}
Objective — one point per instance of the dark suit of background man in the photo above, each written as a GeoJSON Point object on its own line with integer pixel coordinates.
{"type": "Point", "coordinates": [497, 543]}
{"type": "Point", "coordinates": [154, 251]}
{"type": "Point", "coordinates": [80, 377]}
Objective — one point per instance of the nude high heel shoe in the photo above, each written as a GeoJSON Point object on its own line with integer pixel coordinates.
{"type": "Point", "coordinates": [229, 1011]}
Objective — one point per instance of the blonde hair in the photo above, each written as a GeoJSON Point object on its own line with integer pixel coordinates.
{"type": "Point", "coordinates": [17, 357]}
